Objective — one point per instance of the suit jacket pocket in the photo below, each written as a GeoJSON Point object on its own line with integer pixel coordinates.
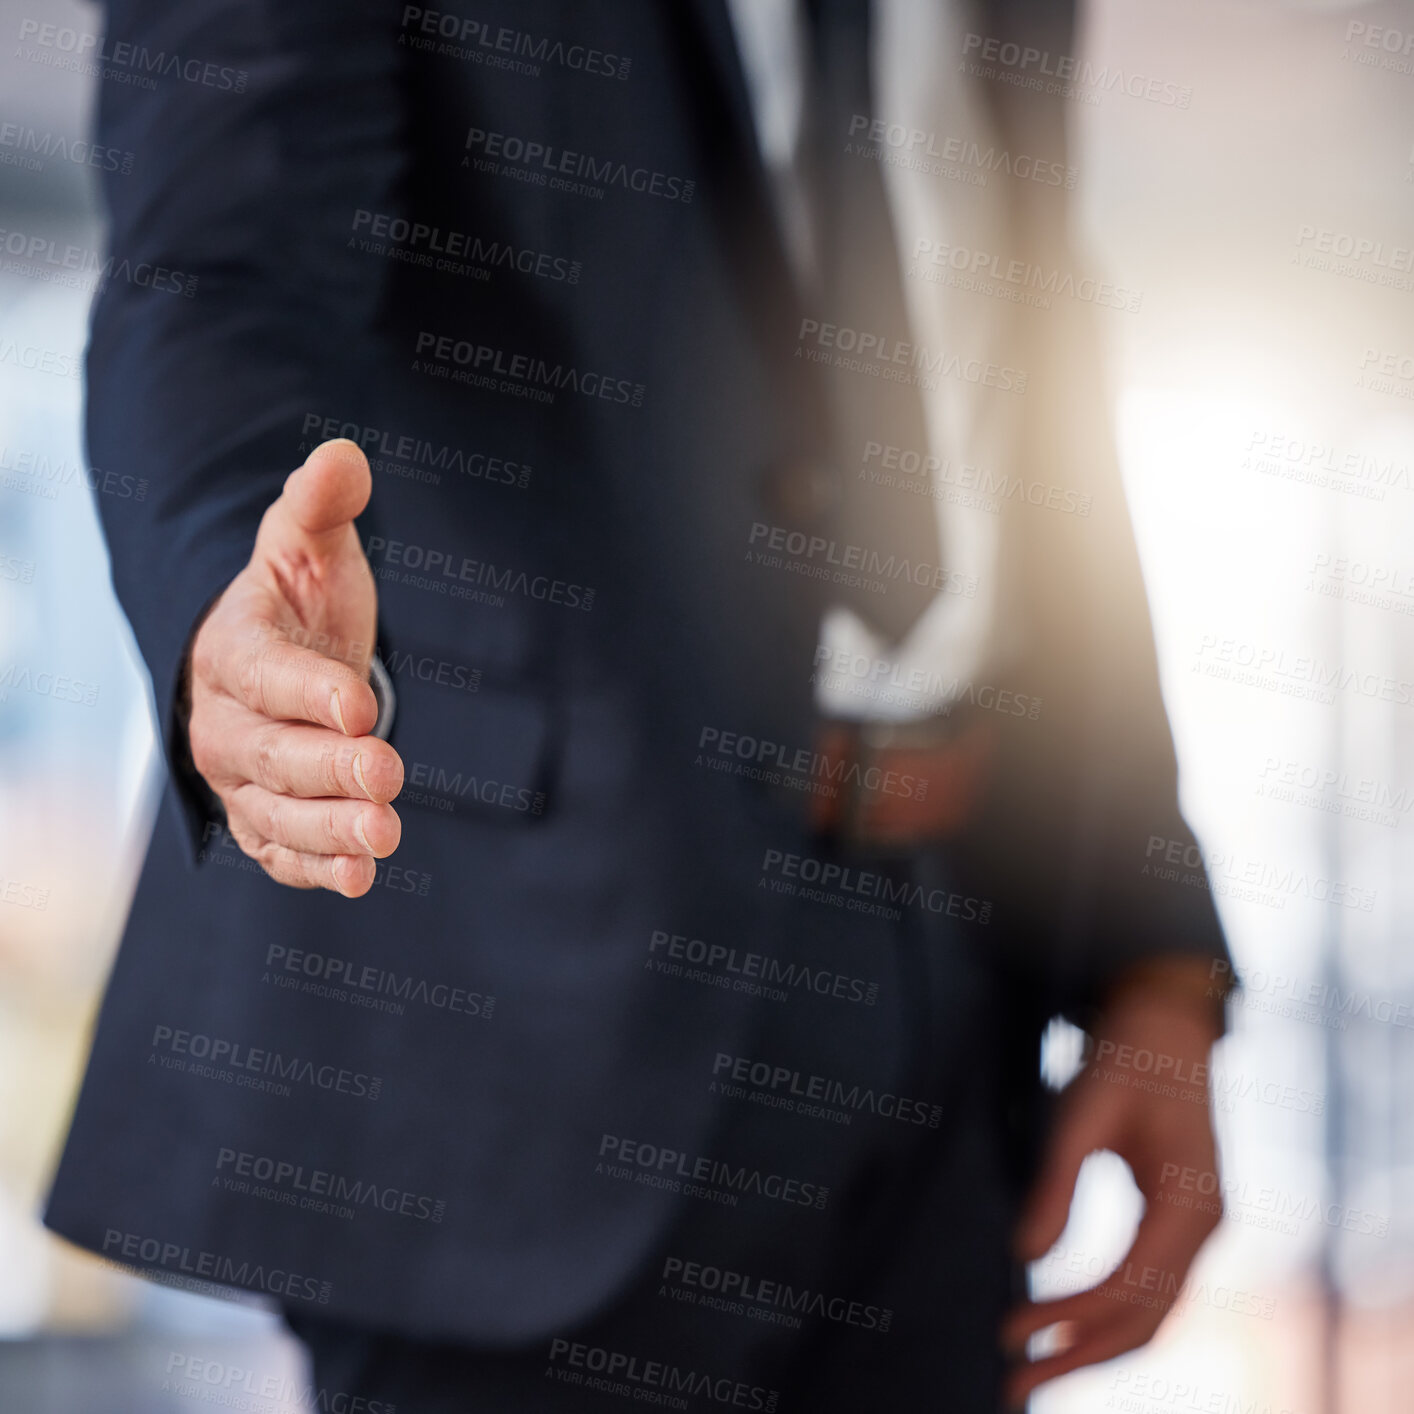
{"type": "Point", "coordinates": [473, 748]}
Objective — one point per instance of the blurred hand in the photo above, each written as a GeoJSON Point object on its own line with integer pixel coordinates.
{"type": "Point", "coordinates": [280, 706]}
{"type": "Point", "coordinates": [1152, 1110]}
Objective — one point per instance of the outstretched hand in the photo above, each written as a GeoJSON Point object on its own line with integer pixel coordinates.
{"type": "Point", "coordinates": [280, 706]}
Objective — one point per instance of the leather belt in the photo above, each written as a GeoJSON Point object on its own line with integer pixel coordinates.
{"type": "Point", "coordinates": [901, 785]}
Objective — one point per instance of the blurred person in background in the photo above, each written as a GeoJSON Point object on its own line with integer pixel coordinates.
{"type": "Point", "coordinates": [552, 431]}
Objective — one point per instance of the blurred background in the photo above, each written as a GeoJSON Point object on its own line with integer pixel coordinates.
{"type": "Point", "coordinates": [1263, 206]}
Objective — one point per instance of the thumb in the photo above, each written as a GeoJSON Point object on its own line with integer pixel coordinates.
{"type": "Point", "coordinates": [328, 491]}
{"type": "Point", "coordinates": [1085, 1124]}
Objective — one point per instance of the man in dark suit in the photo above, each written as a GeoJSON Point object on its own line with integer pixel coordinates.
{"type": "Point", "coordinates": [674, 1037]}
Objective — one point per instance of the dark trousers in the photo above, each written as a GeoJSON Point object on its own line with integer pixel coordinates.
{"type": "Point", "coordinates": [888, 1300]}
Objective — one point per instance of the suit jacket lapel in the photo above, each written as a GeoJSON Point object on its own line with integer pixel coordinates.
{"type": "Point", "coordinates": [717, 54]}
{"type": "Point", "coordinates": [741, 191]}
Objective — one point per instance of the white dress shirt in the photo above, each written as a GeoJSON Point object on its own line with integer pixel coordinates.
{"type": "Point", "coordinates": [956, 640]}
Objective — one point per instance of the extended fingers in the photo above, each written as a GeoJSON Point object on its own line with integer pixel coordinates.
{"type": "Point", "coordinates": [232, 745]}
{"type": "Point", "coordinates": [308, 804]}
{"type": "Point", "coordinates": [323, 826]}
{"type": "Point", "coordinates": [1078, 1310]}
{"type": "Point", "coordinates": [1123, 1311]}
{"type": "Point", "coordinates": [1099, 1328]}
{"type": "Point", "coordinates": [282, 681]}
{"type": "Point", "coordinates": [350, 875]}
{"type": "Point", "coordinates": [311, 762]}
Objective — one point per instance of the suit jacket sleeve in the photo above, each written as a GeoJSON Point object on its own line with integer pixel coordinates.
{"type": "Point", "coordinates": [1091, 814]}
{"type": "Point", "coordinates": [1131, 826]}
{"type": "Point", "coordinates": [236, 303]}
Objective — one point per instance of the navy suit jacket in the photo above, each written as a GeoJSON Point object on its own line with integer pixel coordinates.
{"type": "Point", "coordinates": [577, 406]}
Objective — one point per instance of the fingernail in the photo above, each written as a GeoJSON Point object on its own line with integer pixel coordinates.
{"type": "Point", "coordinates": [358, 774]}
{"type": "Point", "coordinates": [340, 872]}
{"type": "Point", "coordinates": [360, 832]}
{"type": "Point", "coordinates": [337, 708]}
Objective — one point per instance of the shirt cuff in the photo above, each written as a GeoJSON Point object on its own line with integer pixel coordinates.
{"type": "Point", "coordinates": [382, 685]}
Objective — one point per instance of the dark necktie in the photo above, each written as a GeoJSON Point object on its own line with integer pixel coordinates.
{"type": "Point", "coordinates": [886, 537]}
